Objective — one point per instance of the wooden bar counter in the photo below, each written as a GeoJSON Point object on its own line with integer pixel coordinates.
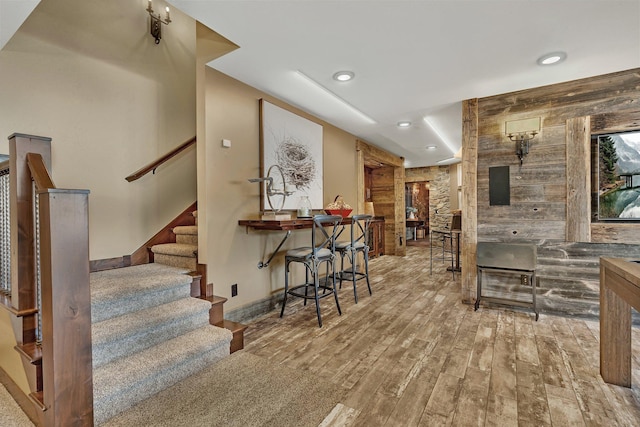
{"type": "Point", "coordinates": [290, 224]}
{"type": "Point", "coordinates": [376, 240]}
{"type": "Point", "coordinates": [619, 291]}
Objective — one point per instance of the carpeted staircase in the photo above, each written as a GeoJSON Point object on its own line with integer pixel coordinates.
{"type": "Point", "coordinates": [148, 331]}
{"type": "Point", "coordinates": [184, 252]}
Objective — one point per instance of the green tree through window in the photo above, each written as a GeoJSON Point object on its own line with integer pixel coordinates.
{"type": "Point", "coordinates": [608, 159]}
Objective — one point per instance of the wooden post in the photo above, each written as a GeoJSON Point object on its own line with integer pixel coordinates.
{"type": "Point", "coordinates": [360, 196]}
{"type": "Point", "coordinates": [400, 213]}
{"type": "Point", "coordinates": [22, 235]}
{"type": "Point", "coordinates": [23, 273]}
{"type": "Point", "coordinates": [469, 198]}
{"type": "Point", "coordinates": [578, 143]}
{"type": "Point", "coordinates": [66, 308]}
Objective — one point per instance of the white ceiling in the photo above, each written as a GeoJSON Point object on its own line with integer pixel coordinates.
{"type": "Point", "coordinates": [413, 60]}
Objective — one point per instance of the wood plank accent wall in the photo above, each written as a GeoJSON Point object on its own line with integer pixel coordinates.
{"type": "Point", "coordinates": [569, 276]}
{"type": "Point", "coordinates": [550, 192]}
{"type": "Point", "coordinates": [421, 174]}
{"type": "Point", "coordinates": [384, 199]}
{"type": "Point", "coordinates": [387, 193]}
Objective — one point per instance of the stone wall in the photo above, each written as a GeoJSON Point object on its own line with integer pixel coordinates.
{"type": "Point", "coordinates": [440, 199]}
{"type": "Point", "coordinates": [439, 192]}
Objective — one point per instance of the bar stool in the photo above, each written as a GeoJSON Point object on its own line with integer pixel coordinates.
{"type": "Point", "coordinates": [359, 243]}
{"type": "Point", "coordinates": [322, 250]}
{"type": "Point", "coordinates": [447, 235]}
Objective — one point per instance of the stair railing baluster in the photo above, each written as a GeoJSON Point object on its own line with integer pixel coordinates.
{"type": "Point", "coordinates": [5, 233]}
{"type": "Point", "coordinates": [36, 223]}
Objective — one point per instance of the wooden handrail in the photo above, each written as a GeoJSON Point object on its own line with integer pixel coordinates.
{"type": "Point", "coordinates": [153, 165]}
{"type": "Point", "coordinates": [39, 172]}
{"type": "Point", "coordinates": [4, 165]}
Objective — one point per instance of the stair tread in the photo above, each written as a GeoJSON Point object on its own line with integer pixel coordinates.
{"type": "Point", "coordinates": [31, 351]}
{"type": "Point", "coordinates": [232, 326]}
{"type": "Point", "coordinates": [214, 299]}
{"type": "Point", "coordinates": [113, 284]}
{"type": "Point", "coordinates": [136, 325]}
{"type": "Point", "coordinates": [186, 229]}
{"type": "Point", "coordinates": [119, 291]}
{"type": "Point", "coordinates": [122, 383]}
{"type": "Point", "coordinates": [176, 249]}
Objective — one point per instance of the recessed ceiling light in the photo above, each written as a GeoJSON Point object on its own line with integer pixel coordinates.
{"type": "Point", "coordinates": [404, 124]}
{"type": "Point", "coordinates": [552, 58]}
{"type": "Point", "coordinates": [343, 76]}
{"type": "Point", "coordinates": [430, 147]}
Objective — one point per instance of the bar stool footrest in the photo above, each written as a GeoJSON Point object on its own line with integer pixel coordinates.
{"type": "Point", "coordinates": [348, 275]}
{"type": "Point", "coordinates": [298, 291]}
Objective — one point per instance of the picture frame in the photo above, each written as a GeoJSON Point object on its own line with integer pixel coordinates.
{"type": "Point", "coordinates": [615, 177]}
{"type": "Point", "coordinates": [295, 145]}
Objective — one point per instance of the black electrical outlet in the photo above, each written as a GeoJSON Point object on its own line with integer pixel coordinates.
{"type": "Point", "coordinates": [524, 280]}
{"type": "Point", "coordinates": [234, 289]}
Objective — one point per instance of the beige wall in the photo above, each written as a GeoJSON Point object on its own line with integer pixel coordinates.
{"type": "Point", "coordinates": [112, 101]}
{"type": "Point", "coordinates": [232, 253]}
{"type": "Point", "coordinates": [10, 361]}
{"type": "Point", "coordinates": [108, 112]}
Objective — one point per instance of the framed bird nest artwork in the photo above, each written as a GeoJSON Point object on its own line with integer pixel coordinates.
{"type": "Point", "coordinates": [294, 144]}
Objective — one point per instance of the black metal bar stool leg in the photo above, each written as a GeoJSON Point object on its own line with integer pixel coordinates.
{"type": "Point", "coordinates": [286, 287]}
{"type": "Point", "coordinates": [366, 270]}
{"type": "Point", "coordinates": [353, 275]}
{"type": "Point", "coordinates": [335, 291]}
{"type": "Point", "coordinates": [317, 296]}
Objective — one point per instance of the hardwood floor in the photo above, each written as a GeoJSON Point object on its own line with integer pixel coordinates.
{"type": "Point", "coordinates": [413, 355]}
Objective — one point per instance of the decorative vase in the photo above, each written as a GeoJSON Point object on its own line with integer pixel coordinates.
{"type": "Point", "coordinates": [304, 207]}
{"type": "Point", "coordinates": [411, 215]}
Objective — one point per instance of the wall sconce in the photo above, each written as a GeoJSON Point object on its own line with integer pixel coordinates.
{"type": "Point", "coordinates": [155, 22]}
{"type": "Point", "coordinates": [522, 132]}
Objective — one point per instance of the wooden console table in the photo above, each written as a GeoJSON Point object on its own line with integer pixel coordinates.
{"type": "Point", "coordinates": [414, 224]}
{"type": "Point", "coordinates": [288, 225]}
{"type": "Point", "coordinates": [619, 291]}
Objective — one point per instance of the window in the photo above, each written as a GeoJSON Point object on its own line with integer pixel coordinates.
{"type": "Point", "coordinates": [615, 177]}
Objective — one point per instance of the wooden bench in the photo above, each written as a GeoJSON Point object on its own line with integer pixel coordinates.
{"type": "Point", "coordinates": [512, 258]}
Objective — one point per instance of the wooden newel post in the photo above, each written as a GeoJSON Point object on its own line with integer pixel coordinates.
{"type": "Point", "coordinates": [23, 272]}
{"type": "Point", "coordinates": [66, 308]}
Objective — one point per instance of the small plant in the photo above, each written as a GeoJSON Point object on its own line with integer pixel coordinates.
{"type": "Point", "coordinates": [411, 209]}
